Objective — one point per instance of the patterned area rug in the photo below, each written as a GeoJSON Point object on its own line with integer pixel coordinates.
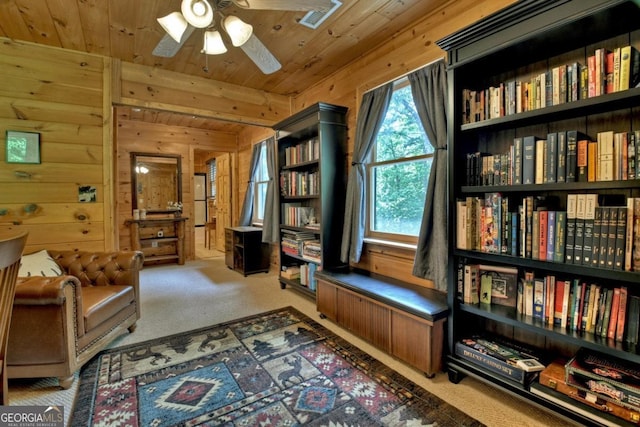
{"type": "Point", "coordinates": [275, 369]}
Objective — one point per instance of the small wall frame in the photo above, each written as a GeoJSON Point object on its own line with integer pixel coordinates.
{"type": "Point", "coordinates": [22, 147]}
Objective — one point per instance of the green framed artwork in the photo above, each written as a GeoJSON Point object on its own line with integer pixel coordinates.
{"type": "Point", "coordinates": [23, 147]}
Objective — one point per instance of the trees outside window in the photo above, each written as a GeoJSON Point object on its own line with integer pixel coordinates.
{"type": "Point", "coordinates": [399, 171]}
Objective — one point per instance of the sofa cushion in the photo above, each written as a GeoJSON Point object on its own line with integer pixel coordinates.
{"type": "Point", "coordinates": [39, 264]}
{"type": "Point", "coordinates": [99, 303]}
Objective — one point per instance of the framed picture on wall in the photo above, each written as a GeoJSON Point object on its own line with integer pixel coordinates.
{"type": "Point", "coordinates": [23, 147]}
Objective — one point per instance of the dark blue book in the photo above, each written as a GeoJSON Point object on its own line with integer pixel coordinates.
{"type": "Point", "coordinates": [561, 162]}
{"type": "Point", "coordinates": [529, 159]}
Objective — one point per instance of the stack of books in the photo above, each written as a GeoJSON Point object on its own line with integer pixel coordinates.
{"type": "Point", "coordinates": [603, 385]}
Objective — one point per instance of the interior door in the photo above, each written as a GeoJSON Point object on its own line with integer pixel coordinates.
{"type": "Point", "coordinates": [200, 199]}
{"type": "Point", "coordinates": [223, 198]}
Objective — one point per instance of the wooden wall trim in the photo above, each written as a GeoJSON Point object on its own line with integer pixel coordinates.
{"type": "Point", "coordinates": [154, 88]}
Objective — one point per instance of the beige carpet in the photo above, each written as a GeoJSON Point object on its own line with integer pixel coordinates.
{"type": "Point", "coordinates": [206, 292]}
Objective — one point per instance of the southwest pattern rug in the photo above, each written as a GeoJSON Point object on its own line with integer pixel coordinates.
{"type": "Point", "coordinates": [279, 368]}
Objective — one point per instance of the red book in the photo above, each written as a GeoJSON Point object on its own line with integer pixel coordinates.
{"type": "Point", "coordinates": [622, 314]}
{"type": "Point", "coordinates": [543, 218]}
{"type": "Point", "coordinates": [615, 304]}
{"type": "Point", "coordinates": [559, 296]}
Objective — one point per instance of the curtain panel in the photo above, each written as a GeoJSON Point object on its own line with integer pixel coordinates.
{"type": "Point", "coordinates": [247, 206]}
{"type": "Point", "coordinates": [429, 89]}
{"type": "Point", "coordinates": [370, 117]}
{"type": "Point", "coordinates": [270, 225]}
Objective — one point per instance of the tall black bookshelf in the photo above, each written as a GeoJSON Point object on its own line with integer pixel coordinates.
{"type": "Point", "coordinates": [311, 151]}
{"type": "Point", "coordinates": [525, 40]}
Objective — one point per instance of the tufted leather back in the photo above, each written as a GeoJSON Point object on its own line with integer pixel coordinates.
{"type": "Point", "coordinates": [100, 269]}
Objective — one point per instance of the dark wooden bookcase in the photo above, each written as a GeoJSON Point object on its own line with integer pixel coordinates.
{"type": "Point", "coordinates": [311, 151]}
{"type": "Point", "coordinates": [518, 42]}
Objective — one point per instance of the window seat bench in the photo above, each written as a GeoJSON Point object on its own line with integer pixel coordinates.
{"type": "Point", "coordinates": [402, 319]}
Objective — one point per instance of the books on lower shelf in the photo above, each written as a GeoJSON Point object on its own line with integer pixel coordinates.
{"type": "Point", "coordinates": [304, 273]}
{"type": "Point", "coordinates": [612, 379]}
{"type": "Point", "coordinates": [553, 379]}
{"type": "Point", "coordinates": [509, 360]}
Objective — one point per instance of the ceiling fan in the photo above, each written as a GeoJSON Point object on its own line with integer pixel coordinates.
{"type": "Point", "coordinates": [202, 14]}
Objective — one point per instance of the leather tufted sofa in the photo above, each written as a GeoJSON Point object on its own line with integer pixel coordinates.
{"type": "Point", "coordinates": [59, 323]}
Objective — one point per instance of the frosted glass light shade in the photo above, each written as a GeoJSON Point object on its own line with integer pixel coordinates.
{"type": "Point", "coordinates": [198, 13]}
{"type": "Point", "coordinates": [174, 24]}
{"type": "Point", "coordinates": [213, 44]}
{"type": "Point", "coordinates": [238, 30]}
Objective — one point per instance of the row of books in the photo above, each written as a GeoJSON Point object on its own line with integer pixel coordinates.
{"type": "Point", "coordinates": [586, 234]}
{"type": "Point", "coordinates": [304, 273]}
{"type": "Point", "coordinates": [607, 312]}
{"type": "Point", "coordinates": [566, 156]}
{"type": "Point", "coordinates": [302, 152]}
{"type": "Point", "coordinates": [605, 72]}
{"type": "Point", "coordinates": [294, 183]}
{"type": "Point", "coordinates": [296, 215]}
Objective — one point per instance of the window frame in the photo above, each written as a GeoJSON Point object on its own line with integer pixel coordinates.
{"type": "Point", "coordinates": [370, 168]}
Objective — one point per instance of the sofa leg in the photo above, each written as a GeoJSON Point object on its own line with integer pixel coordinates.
{"type": "Point", "coordinates": [65, 382]}
{"type": "Point", "coordinates": [132, 328]}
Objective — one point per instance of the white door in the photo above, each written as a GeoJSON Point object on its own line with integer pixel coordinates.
{"type": "Point", "coordinates": [200, 199]}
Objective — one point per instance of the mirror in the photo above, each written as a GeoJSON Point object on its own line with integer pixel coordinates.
{"type": "Point", "coordinates": [155, 181]}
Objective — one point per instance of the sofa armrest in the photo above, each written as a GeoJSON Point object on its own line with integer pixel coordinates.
{"type": "Point", "coordinates": [51, 291]}
{"type": "Point", "coordinates": [101, 268]}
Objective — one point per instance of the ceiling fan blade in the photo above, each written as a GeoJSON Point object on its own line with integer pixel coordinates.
{"type": "Point", "coordinates": [303, 5]}
{"type": "Point", "coordinates": [260, 55]}
{"type": "Point", "coordinates": [167, 47]}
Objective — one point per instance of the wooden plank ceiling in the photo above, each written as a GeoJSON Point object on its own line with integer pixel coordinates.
{"type": "Point", "coordinates": [128, 30]}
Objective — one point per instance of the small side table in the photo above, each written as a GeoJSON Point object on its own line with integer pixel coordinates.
{"type": "Point", "coordinates": [244, 250]}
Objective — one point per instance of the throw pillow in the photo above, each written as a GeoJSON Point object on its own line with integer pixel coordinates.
{"type": "Point", "coordinates": [39, 264]}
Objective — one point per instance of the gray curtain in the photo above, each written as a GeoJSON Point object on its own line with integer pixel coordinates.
{"type": "Point", "coordinates": [370, 116]}
{"type": "Point", "coordinates": [429, 89]}
{"type": "Point", "coordinates": [270, 226]}
{"type": "Point", "coordinates": [247, 207]}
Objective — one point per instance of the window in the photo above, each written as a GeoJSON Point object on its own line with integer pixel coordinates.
{"type": "Point", "coordinates": [398, 172]}
{"type": "Point", "coordinates": [261, 180]}
{"type": "Point", "coordinates": [212, 177]}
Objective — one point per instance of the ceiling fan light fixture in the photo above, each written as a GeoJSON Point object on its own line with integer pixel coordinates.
{"type": "Point", "coordinates": [213, 44]}
{"type": "Point", "coordinates": [238, 30]}
{"type": "Point", "coordinates": [198, 13]}
{"type": "Point", "coordinates": [174, 24]}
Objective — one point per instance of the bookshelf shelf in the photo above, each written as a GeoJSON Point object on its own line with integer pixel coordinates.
{"type": "Point", "coordinates": [528, 46]}
{"type": "Point", "coordinates": [311, 146]}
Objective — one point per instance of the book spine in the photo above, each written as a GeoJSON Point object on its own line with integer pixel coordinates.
{"type": "Point", "coordinates": [572, 201]}
{"type": "Point", "coordinates": [582, 161]}
{"type": "Point", "coordinates": [622, 314]}
{"type": "Point", "coordinates": [604, 236]}
{"type": "Point", "coordinates": [611, 241]}
{"type": "Point", "coordinates": [579, 231]}
{"type": "Point", "coordinates": [597, 227]}
{"type": "Point", "coordinates": [572, 155]}
{"type": "Point", "coordinates": [551, 235]}
{"type": "Point", "coordinates": [528, 160]}
{"type": "Point", "coordinates": [591, 202]}
{"type": "Point", "coordinates": [551, 158]}
{"type": "Point", "coordinates": [613, 318]}
{"type": "Point", "coordinates": [635, 257]}
{"type": "Point", "coordinates": [561, 162]}
{"type": "Point", "coordinates": [621, 238]}
{"type": "Point", "coordinates": [604, 328]}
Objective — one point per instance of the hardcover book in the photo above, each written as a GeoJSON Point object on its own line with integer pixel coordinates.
{"type": "Point", "coordinates": [591, 202]}
{"type": "Point", "coordinates": [529, 160]}
{"type": "Point", "coordinates": [572, 202]}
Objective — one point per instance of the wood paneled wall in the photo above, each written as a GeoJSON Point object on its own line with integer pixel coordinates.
{"type": "Point", "coordinates": [135, 136]}
{"type": "Point", "coordinates": [61, 95]}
